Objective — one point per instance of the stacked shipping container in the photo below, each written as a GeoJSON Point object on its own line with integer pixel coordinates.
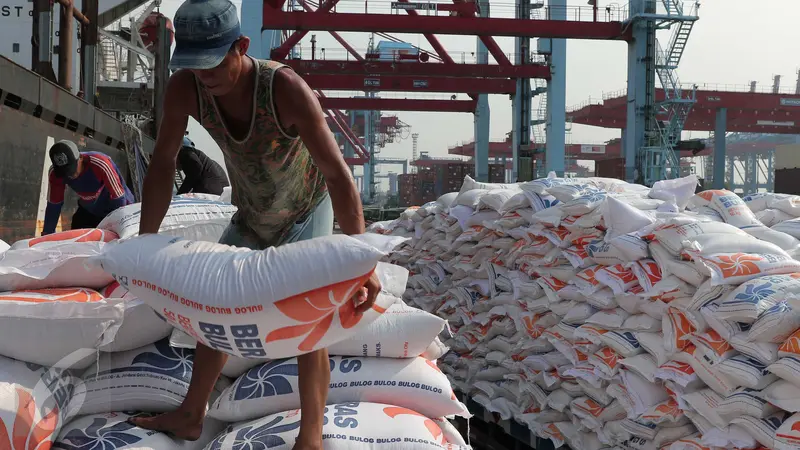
{"type": "Point", "coordinates": [431, 182]}
{"type": "Point", "coordinates": [610, 168]}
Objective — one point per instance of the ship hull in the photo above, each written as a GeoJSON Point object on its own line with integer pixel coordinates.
{"type": "Point", "coordinates": [24, 163]}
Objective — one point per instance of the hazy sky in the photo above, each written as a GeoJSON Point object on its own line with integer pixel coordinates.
{"type": "Point", "coordinates": [735, 42]}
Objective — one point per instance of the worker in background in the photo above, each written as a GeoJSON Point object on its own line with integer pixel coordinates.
{"type": "Point", "coordinates": [288, 176]}
{"type": "Point", "coordinates": [93, 176]}
{"type": "Point", "coordinates": [202, 175]}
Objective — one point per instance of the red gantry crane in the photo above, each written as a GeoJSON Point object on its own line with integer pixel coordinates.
{"type": "Point", "coordinates": [430, 71]}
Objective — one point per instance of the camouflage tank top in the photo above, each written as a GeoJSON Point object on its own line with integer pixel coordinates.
{"type": "Point", "coordinates": [273, 179]}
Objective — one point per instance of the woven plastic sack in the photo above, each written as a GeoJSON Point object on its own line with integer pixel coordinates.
{"type": "Point", "coordinates": [140, 325]}
{"type": "Point", "coordinates": [53, 266]}
{"type": "Point", "coordinates": [114, 431]}
{"type": "Point", "coordinates": [153, 378]}
{"type": "Point", "coordinates": [45, 326]}
{"type": "Point", "coordinates": [346, 426]}
{"type": "Point", "coordinates": [55, 239]}
{"type": "Point", "coordinates": [33, 404]}
{"type": "Point", "coordinates": [275, 303]}
{"type": "Point", "coordinates": [414, 383]}
{"type": "Point", "coordinates": [190, 218]}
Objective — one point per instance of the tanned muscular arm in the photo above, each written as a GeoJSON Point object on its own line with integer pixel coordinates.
{"type": "Point", "coordinates": [157, 189]}
{"type": "Point", "coordinates": [299, 110]}
{"type": "Point", "coordinates": [187, 421]}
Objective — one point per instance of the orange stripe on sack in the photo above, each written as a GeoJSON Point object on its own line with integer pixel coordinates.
{"type": "Point", "coordinates": [79, 295]}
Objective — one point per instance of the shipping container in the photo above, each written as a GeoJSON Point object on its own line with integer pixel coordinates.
{"type": "Point", "coordinates": [787, 181]}
{"type": "Point", "coordinates": [497, 173]}
{"type": "Point", "coordinates": [787, 157]}
{"type": "Point", "coordinates": [610, 168]}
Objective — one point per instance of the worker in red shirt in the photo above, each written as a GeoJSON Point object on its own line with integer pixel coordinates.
{"type": "Point", "coordinates": [93, 176]}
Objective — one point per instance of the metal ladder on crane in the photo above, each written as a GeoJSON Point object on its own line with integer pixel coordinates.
{"type": "Point", "coordinates": [673, 7]}
{"type": "Point", "coordinates": [539, 122]}
{"type": "Point", "coordinates": [661, 162]}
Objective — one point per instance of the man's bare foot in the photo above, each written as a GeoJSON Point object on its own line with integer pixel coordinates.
{"type": "Point", "coordinates": [181, 424]}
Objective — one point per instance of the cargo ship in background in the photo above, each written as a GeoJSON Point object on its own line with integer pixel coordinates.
{"type": "Point", "coordinates": [16, 24]}
{"type": "Point", "coordinates": [36, 112]}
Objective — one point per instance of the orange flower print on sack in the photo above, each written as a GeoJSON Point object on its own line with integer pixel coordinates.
{"type": "Point", "coordinates": [315, 311]}
{"type": "Point", "coordinates": [738, 264]}
{"type": "Point", "coordinates": [792, 345]}
{"type": "Point", "coordinates": [27, 435]}
{"type": "Point", "coordinates": [436, 432]}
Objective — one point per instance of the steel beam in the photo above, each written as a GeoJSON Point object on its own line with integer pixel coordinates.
{"type": "Point", "coordinates": [712, 99]}
{"type": "Point", "coordinates": [337, 36]}
{"type": "Point", "coordinates": [161, 72]}
{"type": "Point", "coordinates": [410, 84]}
{"type": "Point", "coordinates": [89, 40]}
{"type": "Point", "coordinates": [65, 44]}
{"type": "Point", "coordinates": [74, 12]}
{"type": "Point", "coordinates": [398, 104]}
{"type": "Point", "coordinates": [432, 39]}
{"type": "Point", "coordinates": [468, 26]}
{"type": "Point", "coordinates": [319, 67]}
{"type": "Point", "coordinates": [271, 11]}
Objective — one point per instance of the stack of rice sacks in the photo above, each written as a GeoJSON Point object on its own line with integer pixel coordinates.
{"type": "Point", "coordinates": [603, 314]}
{"type": "Point", "coordinates": [80, 355]}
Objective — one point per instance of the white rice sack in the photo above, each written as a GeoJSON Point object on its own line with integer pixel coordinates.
{"type": "Point", "coordinates": [542, 185]}
{"type": "Point", "coordinates": [778, 238]}
{"type": "Point", "coordinates": [154, 378]}
{"type": "Point", "coordinates": [760, 201]}
{"type": "Point", "coordinates": [251, 304]}
{"type": "Point", "coordinates": [33, 404]}
{"type": "Point", "coordinates": [745, 402]}
{"type": "Point", "coordinates": [787, 437]}
{"type": "Point", "coordinates": [401, 332]}
{"type": "Point", "coordinates": [3, 246]}
{"type": "Point", "coordinates": [706, 403]}
{"type": "Point", "coordinates": [787, 369]}
{"type": "Point", "coordinates": [778, 323]}
{"type": "Point", "coordinates": [52, 266]}
{"type": "Point", "coordinates": [347, 426]}
{"type": "Point", "coordinates": [64, 237]}
{"type": "Point", "coordinates": [772, 217]}
{"type": "Point", "coordinates": [746, 372]}
{"type": "Point", "coordinates": [497, 198]}
{"type": "Point", "coordinates": [621, 218]}
{"type": "Point", "coordinates": [790, 226]}
{"type": "Point", "coordinates": [790, 204]}
{"type": "Point", "coordinates": [672, 237]}
{"type": "Point", "coordinates": [470, 184]}
{"type": "Point", "coordinates": [729, 205]}
{"type": "Point", "coordinates": [140, 324]}
{"type": "Point", "coordinates": [445, 200]}
{"type": "Point", "coordinates": [678, 191]}
{"type": "Point", "coordinates": [97, 432]}
{"type": "Point", "coordinates": [414, 383]}
{"type": "Point", "coordinates": [190, 218]}
{"type": "Point", "coordinates": [50, 325]}
{"type": "Point", "coordinates": [783, 394]}
{"type": "Point", "coordinates": [709, 244]}
{"type": "Point", "coordinates": [764, 430]}
{"type": "Point", "coordinates": [748, 301]}
{"type": "Point", "coordinates": [764, 352]}
{"type": "Point", "coordinates": [737, 268]}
